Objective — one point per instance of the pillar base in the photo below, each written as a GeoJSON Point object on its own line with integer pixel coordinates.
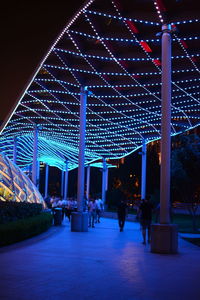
{"type": "Point", "coordinates": [164, 238]}
{"type": "Point", "coordinates": [79, 222]}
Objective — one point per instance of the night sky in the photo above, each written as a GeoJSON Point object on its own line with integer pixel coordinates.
{"type": "Point", "coordinates": [28, 30]}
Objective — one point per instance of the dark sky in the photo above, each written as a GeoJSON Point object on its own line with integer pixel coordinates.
{"type": "Point", "coordinates": [28, 29]}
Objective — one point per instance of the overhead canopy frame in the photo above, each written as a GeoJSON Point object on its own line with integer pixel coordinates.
{"type": "Point", "coordinates": [114, 48]}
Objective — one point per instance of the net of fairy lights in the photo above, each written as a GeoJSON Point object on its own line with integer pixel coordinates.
{"type": "Point", "coordinates": [112, 47]}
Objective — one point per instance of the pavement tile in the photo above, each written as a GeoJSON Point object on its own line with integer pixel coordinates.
{"type": "Point", "coordinates": [102, 263]}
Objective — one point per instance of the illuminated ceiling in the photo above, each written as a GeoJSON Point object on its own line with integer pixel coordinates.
{"type": "Point", "coordinates": [114, 48]}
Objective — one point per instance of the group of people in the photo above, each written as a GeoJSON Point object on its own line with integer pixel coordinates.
{"type": "Point", "coordinates": [68, 206]}
{"type": "Point", "coordinates": [144, 213]}
{"type": "Point", "coordinates": [95, 207]}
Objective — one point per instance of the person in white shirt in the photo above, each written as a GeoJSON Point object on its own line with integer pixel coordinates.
{"type": "Point", "coordinates": [54, 202]}
{"type": "Point", "coordinates": [92, 212]}
{"type": "Point", "coordinates": [74, 205]}
{"type": "Point", "coordinates": [99, 209]}
{"type": "Point", "coordinates": [68, 209]}
{"type": "Point", "coordinates": [60, 204]}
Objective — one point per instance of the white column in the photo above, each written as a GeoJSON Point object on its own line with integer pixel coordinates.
{"type": "Point", "coordinates": [165, 126]}
{"type": "Point", "coordinates": [66, 181]}
{"type": "Point", "coordinates": [38, 174]}
{"type": "Point", "coordinates": [46, 180]}
{"type": "Point", "coordinates": [81, 160]}
{"type": "Point", "coordinates": [104, 180]}
{"type": "Point", "coordinates": [144, 163]}
{"type": "Point", "coordinates": [35, 157]}
{"type": "Point", "coordinates": [164, 236]}
{"type": "Point", "coordinates": [107, 178]}
{"type": "Point", "coordinates": [79, 220]}
{"type": "Point", "coordinates": [62, 183]}
{"type": "Point", "coordinates": [88, 183]}
{"type": "Point", "coordinates": [15, 150]}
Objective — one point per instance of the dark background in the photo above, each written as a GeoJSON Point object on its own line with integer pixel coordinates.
{"type": "Point", "coordinates": [28, 29]}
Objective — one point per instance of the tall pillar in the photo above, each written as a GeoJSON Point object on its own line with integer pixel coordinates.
{"type": "Point", "coordinates": [104, 180]}
{"type": "Point", "coordinates": [80, 219]}
{"type": "Point", "coordinates": [144, 165]}
{"type": "Point", "coordinates": [62, 183]}
{"type": "Point", "coordinates": [164, 235]}
{"type": "Point", "coordinates": [46, 180]}
{"type": "Point", "coordinates": [66, 181]}
{"type": "Point", "coordinates": [38, 175]}
{"type": "Point", "coordinates": [107, 178]}
{"type": "Point", "coordinates": [15, 150]}
{"type": "Point", "coordinates": [88, 183]}
{"type": "Point", "coordinates": [35, 172]}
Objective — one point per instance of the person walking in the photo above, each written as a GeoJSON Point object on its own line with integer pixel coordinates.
{"type": "Point", "coordinates": [68, 209]}
{"type": "Point", "coordinates": [92, 212]}
{"type": "Point", "coordinates": [145, 213]}
{"type": "Point", "coordinates": [121, 213]}
{"type": "Point", "coordinates": [54, 202]}
{"type": "Point", "coordinates": [60, 204]}
{"type": "Point", "coordinates": [99, 209]}
{"type": "Point", "coordinates": [121, 204]}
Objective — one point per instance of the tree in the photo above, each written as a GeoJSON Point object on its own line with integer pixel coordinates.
{"type": "Point", "coordinates": [153, 173]}
{"type": "Point", "coordinates": [185, 166]}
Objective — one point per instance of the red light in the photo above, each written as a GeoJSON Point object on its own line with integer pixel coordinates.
{"type": "Point", "coordinates": [194, 59]}
{"type": "Point", "coordinates": [118, 4]}
{"type": "Point", "coordinates": [161, 5]}
{"type": "Point", "coordinates": [157, 62]}
{"type": "Point", "coordinates": [132, 27]}
{"type": "Point", "coordinates": [124, 64]}
{"type": "Point", "coordinates": [136, 76]}
{"type": "Point", "coordinates": [184, 44]}
{"type": "Point", "coordinates": [119, 88]}
{"type": "Point", "coordinates": [145, 46]}
{"type": "Point", "coordinates": [106, 77]}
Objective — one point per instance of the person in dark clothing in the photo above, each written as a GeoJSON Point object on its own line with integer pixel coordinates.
{"type": "Point", "coordinates": [121, 208]}
{"type": "Point", "coordinates": [121, 212]}
{"type": "Point", "coordinates": [145, 212]}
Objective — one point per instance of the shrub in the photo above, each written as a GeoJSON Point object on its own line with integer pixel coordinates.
{"type": "Point", "coordinates": [12, 211]}
{"type": "Point", "coordinates": [19, 230]}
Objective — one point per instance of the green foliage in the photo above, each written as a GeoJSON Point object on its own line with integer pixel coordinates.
{"type": "Point", "coordinates": [12, 211]}
{"type": "Point", "coordinates": [19, 230]}
{"type": "Point", "coordinates": [184, 222]}
{"type": "Point", "coordinates": [185, 166]}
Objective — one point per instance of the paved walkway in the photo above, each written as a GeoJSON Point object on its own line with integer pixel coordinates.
{"type": "Point", "coordinates": [100, 264]}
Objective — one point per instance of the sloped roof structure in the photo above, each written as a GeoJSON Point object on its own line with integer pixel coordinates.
{"type": "Point", "coordinates": [15, 185]}
{"type": "Point", "coordinates": [114, 48]}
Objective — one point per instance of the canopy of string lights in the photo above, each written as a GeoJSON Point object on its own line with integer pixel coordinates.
{"type": "Point", "coordinates": [114, 48]}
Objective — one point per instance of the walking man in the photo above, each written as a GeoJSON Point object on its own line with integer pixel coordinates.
{"type": "Point", "coordinates": [92, 212]}
{"type": "Point", "coordinates": [145, 212]}
{"type": "Point", "coordinates": [122, 212]}
{"type": "Point", "coordinates": [99, 209]}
